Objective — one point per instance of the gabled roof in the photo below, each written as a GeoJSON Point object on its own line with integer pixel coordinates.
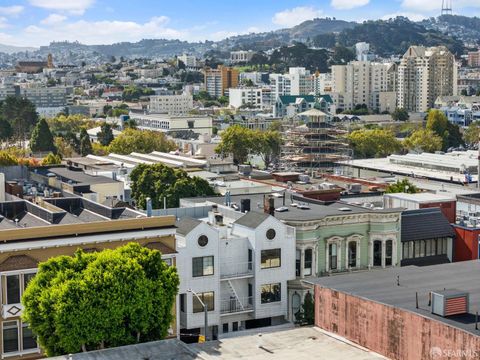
{"type": "Point", "coordinates": [252, 219]}
{"type": "Point", "coordinates": [291, 99]}
{"type": "Point", "coordinates": [326, 98]}
{"type": "Point", "coordinates": [186, 224]}
{"type": "Point", "coordinates": [425, 224]}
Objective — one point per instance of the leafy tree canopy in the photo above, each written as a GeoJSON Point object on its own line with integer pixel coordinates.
{"type": "Point", "coordinates": [424, 140]}
{"type": "Point", "coordinates": [400, 114]}
{"type": "Point", "coordinates": [158, 181]}
{"type": "Point", "coordinates": [52, 159]}
{"type": "Point", "coordinates": [21, 114]}
{"type": "Point", "coordinates": [373, 143]}
{"type": "Point", "coordinates": [105, 136]}
{"type": "Point", "coordinates": [104, 299]}
{"type": "Point", "coordinates": [143, 141]}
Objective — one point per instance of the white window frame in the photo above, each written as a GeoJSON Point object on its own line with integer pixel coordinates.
{"type": "Point", "coordinates": [21, 273]}
{"type": "Point", "coordinates": [20, 352]}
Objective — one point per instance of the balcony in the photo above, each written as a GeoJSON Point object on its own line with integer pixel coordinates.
{"type": "Point", "coordinates": [236, 305]}
{"type": "Point", "coordinates": [236, 270]}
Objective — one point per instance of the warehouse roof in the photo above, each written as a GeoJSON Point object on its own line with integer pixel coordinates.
{"type": "Point", "coordinates": [381, 286]}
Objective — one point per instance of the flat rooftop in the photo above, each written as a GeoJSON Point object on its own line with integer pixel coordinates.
{"type": "Point", "coordinates": [423, 197]}
{"type": "Point", "coordinates": [77, 176]}
{"type": "Point", "coordinates": [300, 343]}
{"type": "Point", "coordinates": [450, 171]}
{"type": "Point", "coordinates": [381, 286]}
{"type": "Point", "coordinates": [315, 211]}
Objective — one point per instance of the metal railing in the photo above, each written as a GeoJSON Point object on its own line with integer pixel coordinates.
{"type": "Point", "coordinates": [235, 305]}
{"type": "Point", "coordinates": [230, 270]}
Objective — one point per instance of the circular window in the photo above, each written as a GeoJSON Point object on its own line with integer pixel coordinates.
{"type": "Point", "coordinates": [271, 234]}
{"type": "Point", "coordinates": [202, 240]}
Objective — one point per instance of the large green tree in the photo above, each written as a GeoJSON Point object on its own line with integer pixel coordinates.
{"type": "Point", "coordinates": [21, 114]}
{"type": "Point", "coordinates": [237, 141]}
{"type": "Point", "coordinates": [158, 181]}
{"type": "Point", "coordinates": [143, 141]}
{"type": "Point", "coordinates": [42, 139]}
{"type": "Point", "coordinates": [424, 140]}
{"type": "Point", "coordinates": [105, 136]}
{"type": "Point", "coordinates": [85, 143]}
{"type": "Point", "coordinates": [268, 145]}
{"type": "Point", "coordinates": [368, 143]}
{"type": "Point", "coordinates": [96, 300]}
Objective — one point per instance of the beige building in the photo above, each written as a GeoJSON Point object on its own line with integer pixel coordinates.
{"type": "Point", "coordinates": [60, 226]}
{"type": "Point", "coordinates": [364, 82]}
{"type": "Point", "coordinates": [423, 75]}
{"type": "Point", "coordinates": [171, 104]}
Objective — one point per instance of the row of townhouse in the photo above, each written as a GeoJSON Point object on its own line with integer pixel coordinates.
{"type": "Point", "coordinates": [315, 239]}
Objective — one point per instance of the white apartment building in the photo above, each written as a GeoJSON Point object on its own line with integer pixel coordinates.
{"type": "Point", "coordinates": [280, 85]}
{"type": "Point", "coordinates": [423, 75]}
{"type": "Point", "coordinates": [251, 96]}
{"type": "Point", "coordinates": [171, 104]}
{"type": "Point", "coordinates": [298, 81]}
{"type": "Point", "coordinates": [258, 78]}
{"type": "Point", "coordinates": [188, 60]}
{"type": "Point", "coordinates": [363, 82]}
{"type": "Point", "coordinates": [241, 56]}
{"type": "Point", "coordinates": [301, 81]}
{"type": "Point", "coordinates": [239, 265]}
{"type": "Point", "coordinates": [162, 122]}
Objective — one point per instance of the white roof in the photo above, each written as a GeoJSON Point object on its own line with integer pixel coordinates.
{"type": "Point", "coordinates": [422, 197]}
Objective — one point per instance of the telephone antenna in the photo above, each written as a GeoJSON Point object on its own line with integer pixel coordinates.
{"type": "Point", "coordinates": [447, 7]}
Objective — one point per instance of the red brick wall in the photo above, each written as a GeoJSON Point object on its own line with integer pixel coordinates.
{"type": "Point", "coordinates": [466, 244]}
{"type": "Point", "coordinates": [448, 208]}
{"type": "Point", "coordinates": [392, 332]}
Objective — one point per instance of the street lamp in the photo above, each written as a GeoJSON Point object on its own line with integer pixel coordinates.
{"type": "Point", "coordinates": [205, 310]}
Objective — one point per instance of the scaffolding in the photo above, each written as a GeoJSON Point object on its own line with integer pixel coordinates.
{"type": "Point", "coordinates": [314, 146]}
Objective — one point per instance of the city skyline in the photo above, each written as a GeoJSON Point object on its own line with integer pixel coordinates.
{"type": "Point", "coordinates": [38, 22]}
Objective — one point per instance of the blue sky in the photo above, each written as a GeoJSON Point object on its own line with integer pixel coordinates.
{"type": "Point", "coordinates": [38, 22]}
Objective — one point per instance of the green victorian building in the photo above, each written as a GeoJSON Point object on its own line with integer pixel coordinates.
{"type": "Point", "coordinates": [330, 237]}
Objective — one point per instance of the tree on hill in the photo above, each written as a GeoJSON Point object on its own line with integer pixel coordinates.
{"type": "Point", "coordinates": [91, 301]}
{"type": "Point", "coordinates": [42, 139]}
{"type": "Point", "coordinates": [424, 140]}
{"type": "Point", "coordinates": [158, 181]}
{"type": "Point", "coordinates": [105, 136]}
{"type": "Point", "coordinates": [237, 141]}
{"type": "Point", "coordinates": [373, 143]}
{"type": "Point", "coordinates": [85, 143]}
{"type": "Point", "coordinates": [402, 186]}
{"type": "Point", "coordinates": [143, 141]}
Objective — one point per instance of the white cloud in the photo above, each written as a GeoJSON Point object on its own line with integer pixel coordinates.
{"type": "Point", "coordinates": [11, 10]}
{"type": "Point", "coordinates": [53, 19]}
{"type": "Point", "coordinates": [3, 22]}
{"type": "Point", "coordinates": [348, 4]}
{"type": "Point", "coordinates": [76, 7]}
{"type": "Point", "coordinates": [99, 32]}
{"type": "Point", "coordinates": [295, 16]}
{"type": "Point", "coordinates": [431, 5]}
{"type": "Point", "coordinates": [410, 15]}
